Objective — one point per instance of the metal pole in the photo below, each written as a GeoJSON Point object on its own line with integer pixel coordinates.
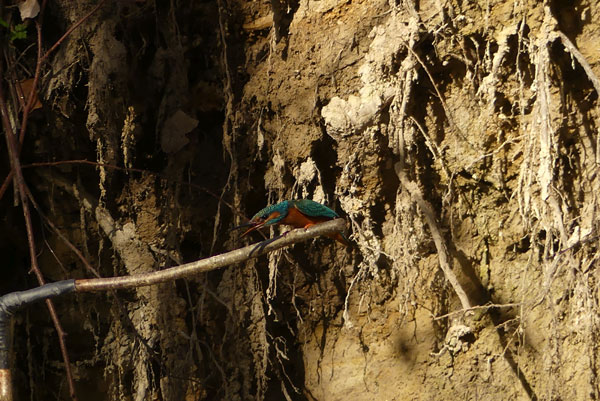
{"type": "Point", "coordinates": [9, 304]}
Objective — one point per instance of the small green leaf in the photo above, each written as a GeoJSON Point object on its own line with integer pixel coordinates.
{"type": "Point", "coordinates": [19, 32]}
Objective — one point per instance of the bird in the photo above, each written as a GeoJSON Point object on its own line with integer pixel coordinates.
{"type": "Point", "coordinates": [301, 213]}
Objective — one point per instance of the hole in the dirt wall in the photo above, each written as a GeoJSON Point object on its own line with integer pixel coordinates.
{"type": "Point", "coordinates": [451, 69]}
{"type": "Point", "coordinates": [454, 71]}
{"type": "Point", "coordinates": [79, 93]}
{"type": "Point", "coordinates": [568, 15]}
{"type": "Point", "coordinates": [256, 196]}
{"type": "Point", "coordinates": [570, 76]}
{"type": "Point", "coordinates": [325, 156]}
{"type": "Point", "coordinates": [390, 182]}
{"type": "Point", "coordinates": [521, 246]}
{"type": "Point", "coordinates": [429, 177]}
{"type": "Point", "coordinates": [474, 48]}
{"type": "Point", "coordinates": [191, 248]}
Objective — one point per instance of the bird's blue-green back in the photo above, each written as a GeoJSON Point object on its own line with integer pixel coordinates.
{"type": "Point", "coordinates": [281, 207]}
{"type": "Point", "coordinates": [313, 209]}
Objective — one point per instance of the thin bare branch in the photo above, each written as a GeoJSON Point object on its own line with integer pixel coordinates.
{"type": "Point", "coordinates": [477, 307]}
{"type": "Point", "coordinates": [71, 29]}
{"type": "Point", "coordinates": [212, 263]}
{"type": "Point", "coordinates": [440, 244]}
{"type": "Point", "coordinates": [571, 48]}
{"type": "Point", "coordinates": [135, 170]}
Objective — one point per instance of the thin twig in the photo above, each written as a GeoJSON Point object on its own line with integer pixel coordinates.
{"type": "Point", "coordinates": [71, 29]}
{"type": "Point", "coordinates": [31, 96]}
{"type": "Point", "coordinates": [134, 170]}
{"type": "Point", "coordinates": [68, 243]}
{"type": "Point", "coordinates": [477, 307]}
{"type": "Point", "coordinates": [437, 91]}
{"type": "Point", "coordinates": [6, 183]}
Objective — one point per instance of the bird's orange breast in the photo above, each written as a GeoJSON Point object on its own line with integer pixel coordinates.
{"type": "Point", "coordinates": [296, 219]}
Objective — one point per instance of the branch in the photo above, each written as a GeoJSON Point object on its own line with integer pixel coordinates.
{"type": "Point", "coordinates": [417, 196]}
{"type": "Point", "coordinates": [71, 29]}
{"type": "Point", "coordinates": [212, 263]}
{"type": "Point", "coordinates": [477, 307]}
{"type": "Point", "coordinates": [10, 303]}
{"type": "Point", "coordinates": [571, 48]}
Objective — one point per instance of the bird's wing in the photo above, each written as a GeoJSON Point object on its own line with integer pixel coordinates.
{"type": "Point", "coordinates": [314, 209]}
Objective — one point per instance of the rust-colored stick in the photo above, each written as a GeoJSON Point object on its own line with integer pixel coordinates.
{"type": "Point", "coordinates": [6, 393]}
{"type": "Point", "coordinates": [30, 99]}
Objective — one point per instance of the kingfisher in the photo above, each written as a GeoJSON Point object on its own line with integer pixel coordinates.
{"type": "Point", "coordinates": [301, 213]}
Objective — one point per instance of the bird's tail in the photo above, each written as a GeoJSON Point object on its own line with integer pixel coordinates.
{"type": "Point", "coordinates": [340, 237]}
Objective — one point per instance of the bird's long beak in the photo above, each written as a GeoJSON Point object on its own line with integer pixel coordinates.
{"type": "Point", "coordinates": [253, 226]}
{"type": "Point", "coordinates": [248, 224]}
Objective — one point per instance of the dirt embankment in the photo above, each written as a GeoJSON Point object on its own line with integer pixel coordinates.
{"type": "Point", "coordinates": [459, 139]}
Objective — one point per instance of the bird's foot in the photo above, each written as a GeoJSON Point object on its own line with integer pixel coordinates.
{"type": "Point", "coordinates": [261, 245]}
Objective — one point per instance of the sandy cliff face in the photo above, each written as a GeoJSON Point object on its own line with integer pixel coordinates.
{"type": "Point", "coordinates": [473, 120]}
{"type": "Point", "coordinates": [459, 139]}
